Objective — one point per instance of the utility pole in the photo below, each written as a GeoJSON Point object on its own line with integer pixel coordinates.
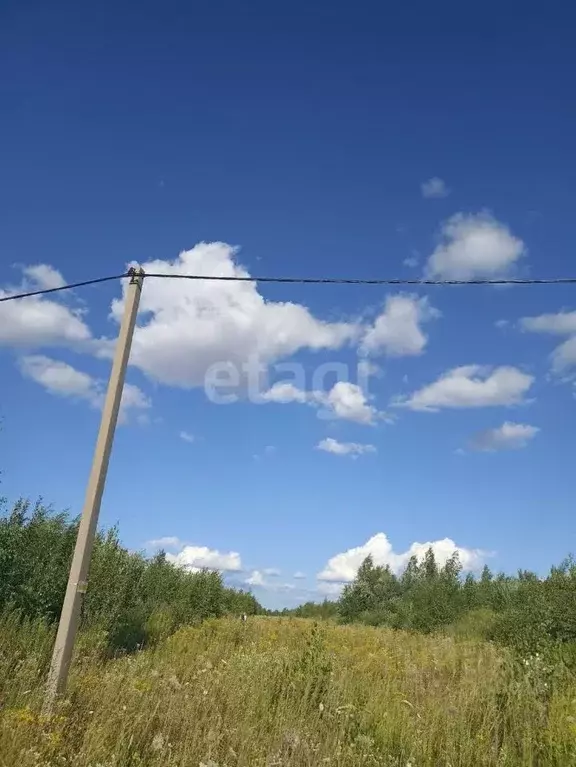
{"type": "Point", "coordinates": [78, 578]}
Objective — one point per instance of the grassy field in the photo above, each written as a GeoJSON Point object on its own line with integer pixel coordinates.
{"type": "Point", "coordinates": [277, 692]}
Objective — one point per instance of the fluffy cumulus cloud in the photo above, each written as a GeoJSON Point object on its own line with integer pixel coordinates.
{"type": "Point", "coordinates": [434, 189]}
{"type": "Point", "coordinates": [188, 331]}
{"type": "Point", "coordinates": [44, 276]}
{"type": "Point", "coordinates": [352, 449]}
{"type": "Point", "coordinates": [564, 356]}
{"type": "Point", "coordinates": [471, 386]}
{"type": "Point", "coordinates": [196, 558]}
{"type": "Point", "coordinates": [133, 398]}
{"type": "Point", "coordinates": [560, 324]}
{"type": "Point", "coordinates": [187, 326]}
{"type": "Point", "coordinates": [474, 246]}
{"type": "Point", "coordinates": [344, 400]}
{"type": "Point", "coordinates": [260, 580]}
{"type": "Point", "coordinates": [256, 578]}
{"type": "Point", "coordinates": [398, 331]}
{"type": "Point", "coordinates": [509, 436]}
{"type": "Point", "coordinates": [63, 380]}
{"type": "Point", "coordinates": [342, 568]}
{"type": "Point", "coordinates": [40, 322]}
{"type": "Point", "coordinates": [348, 401]}
{"type": "Point", "coordinates": [285, 392]}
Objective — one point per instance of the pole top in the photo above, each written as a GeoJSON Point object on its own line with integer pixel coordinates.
{"type": "Point", "coordinates": [136, 273]}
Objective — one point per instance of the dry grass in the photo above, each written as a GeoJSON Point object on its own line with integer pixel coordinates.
{"type": "Point", "coordinates": [277, 692]}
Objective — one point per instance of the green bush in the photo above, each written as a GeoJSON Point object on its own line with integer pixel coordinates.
{"type": "Point", "coordinates": [128, 633]}
{"type": "Point", "coordinates": [131, 600]}
{"type": "Point", "coordinates": [475, 624]}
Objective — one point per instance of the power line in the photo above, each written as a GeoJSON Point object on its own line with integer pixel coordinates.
{"type": "Point", "coordinates": [376, 281]}
{"type": "Point", "coordinates": [71, 286]}
{"type": "Point", "coordinates": [297, 280]}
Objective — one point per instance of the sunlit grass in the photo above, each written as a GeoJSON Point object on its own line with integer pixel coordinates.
{"type": "Point", "coordinates": [275, 692]}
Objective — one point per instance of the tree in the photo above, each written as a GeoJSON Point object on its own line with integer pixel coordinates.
{"type": "Point", "coordinates": [130, 598]}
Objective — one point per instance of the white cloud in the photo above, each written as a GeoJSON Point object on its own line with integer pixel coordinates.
{"type": "Point", "coordinates": [272, 572]}
{"type": "Point", "coordinates": [344, 401]}
{"type": "Point", "coordinates": [347, 401]}
{"type": "Point", "coordinates": [35, 322]}
{"type": "Point", "coordinates": [474, 246]}
{"type": "Point", "coordinates": [61, 379]}
{"type": "Point", "coordinates": [353, 449]}
{"type": "Point", "coordinates": [562, 323]}
{"type": "Point", "coordinates": [411, 262]}
{"type": "Point", "coordinates": [186, 326]}
{"type": "Point", "coordinates": [196, 558]}
{"type": "Point", "coordinates": [64, 380]}
{"type": "Point", "coordinates": [509, 436]}
{"type": "Point", "coordinates": [256, 578]}
{"type": "Point", "coordinates": [564, 356]}
{"type": "Point", "coordinates": [298, 575]}
{"type": "Point", "coordinates": [44, 276]}
{"type": "Point", "coordinates": [397, 330]}
{"type": "Point", "coordinates": [285, 392]}
{"type": "Point", "coordinates": [471, 386]}
{"type": "Point", "coordinates": [133, 398]}
{"type": "Point", "coordinates": [186, 436]}
{"type": "Point", "coordinates": [342, 568]}
{"type": "Point", "coordinates": [434, 188]}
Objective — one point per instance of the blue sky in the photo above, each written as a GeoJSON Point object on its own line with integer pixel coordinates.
{"type": "Point", "coordinates": [309, 139]}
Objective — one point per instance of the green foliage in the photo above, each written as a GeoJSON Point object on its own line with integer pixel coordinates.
{"type": "Point", "coordinates": [325, 610]}
{"type": "Point", "coordinates": [473, 624]}
{"type": "Point", "coordinates": [35, 550]}
{"type": "Point", "coordinates": [313, 670]}
{"type": "Point", "coordinates": [424, 598]}
{"type": "Point", "coordinates": [527, 613]}
{"type": "Point", "coordinates": [131, 600]}
{"type": "Point", "coordinates": [25, 649]}
{"type": "Point", "coordinates": [540, 614]}
{"type": "Point", "coordinates": [291, 694]}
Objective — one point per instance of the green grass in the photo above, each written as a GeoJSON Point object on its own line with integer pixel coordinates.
{"type": "Point", "coordinates": [277, 692]}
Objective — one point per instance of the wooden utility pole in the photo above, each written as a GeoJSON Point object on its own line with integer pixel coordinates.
{"type": "Point", "coordinates": [78, 578]}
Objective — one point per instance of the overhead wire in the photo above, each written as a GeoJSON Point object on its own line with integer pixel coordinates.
{"type": "Point", "coordinates": [71, 286]}
{"type": "Point", "coordinates": [367, 281]}
{"type": "Point", "coordinates": [294, 280]}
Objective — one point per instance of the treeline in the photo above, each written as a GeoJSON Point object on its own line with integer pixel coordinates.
{"type": "Point", "coordinates": [132, 600]}
{"type": "Point", "coordinates": [529, 613]}
{"type": "Point", "coordinates": [326, 610]}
